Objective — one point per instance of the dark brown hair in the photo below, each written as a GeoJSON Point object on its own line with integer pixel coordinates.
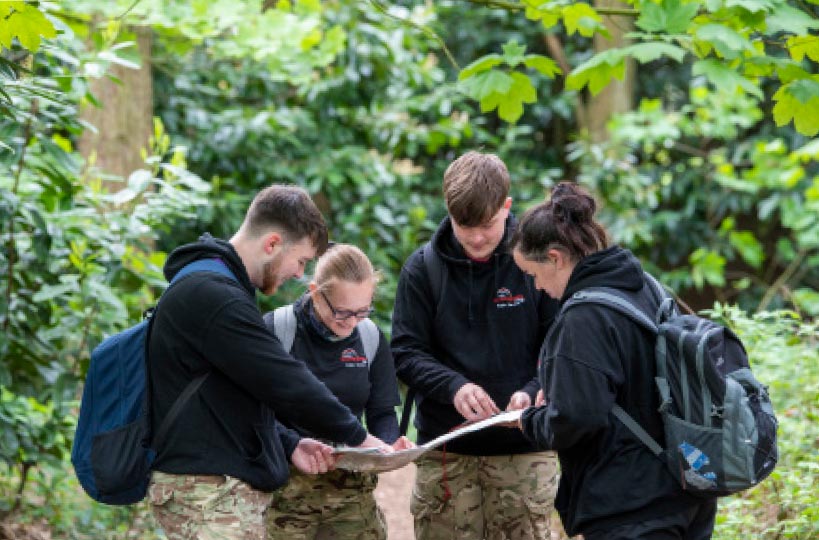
{"type": "Point", "coordinates": [289, 210]}
{"type": "Point", "coordinates": [565, 222]}
{"type": "Point", "coordinates": [475, 187]}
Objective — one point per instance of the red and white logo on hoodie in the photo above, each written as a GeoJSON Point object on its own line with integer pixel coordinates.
{"type": "Point", "coordinates": [351, 358]}
{"type": "Point", "coordinates": [505, 299]}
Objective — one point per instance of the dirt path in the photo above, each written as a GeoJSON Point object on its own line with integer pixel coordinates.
{"type": "Point", "coordinates": [393, 495]}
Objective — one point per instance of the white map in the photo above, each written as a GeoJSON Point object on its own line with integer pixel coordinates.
{"type": "Point", "coordinates": [371, 460]}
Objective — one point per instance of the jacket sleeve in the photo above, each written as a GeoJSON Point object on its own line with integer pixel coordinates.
{"type": "Point", "coordinates": [580, 377]}
{"type": "Point", "coordinates": [380, 409]}
{"type": "Point", "coordinates": [289, 438]}
{"type": "Point", "coordinates": [547, 309]}
{"type": "Point", "coordinates": [412, 336]}
{"type": "Point", "coordinates": [237, 343]}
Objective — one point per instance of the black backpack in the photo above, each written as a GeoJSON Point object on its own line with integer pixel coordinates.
{"type": "Point", "coordinates": [719, 424]}
{"type": "Point", "coordinates": [436, 273]}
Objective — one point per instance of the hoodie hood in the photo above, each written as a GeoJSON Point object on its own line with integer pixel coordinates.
{"type": "Point", "coordinates": [612, 267]}
{"type": "Point", "coordinates": [446, 245]}
{"type": "Point", "coordinates": [209, 247]}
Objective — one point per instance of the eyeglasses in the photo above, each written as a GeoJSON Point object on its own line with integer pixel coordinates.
{"type": "Point", "coordinates": [344, 314]}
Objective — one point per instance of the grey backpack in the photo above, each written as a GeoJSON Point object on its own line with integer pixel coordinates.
{"type": "Point", "coordinates": [282, 322]}
{"type": "Point", "coordinates": [719, 424]}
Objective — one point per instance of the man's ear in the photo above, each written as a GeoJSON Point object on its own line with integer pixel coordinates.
{"type": "Point", "coordinates": [271, 240]}
{"type": "Point", "coordinates": [507, 204]}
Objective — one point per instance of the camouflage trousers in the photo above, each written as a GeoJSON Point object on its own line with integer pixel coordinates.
{"type": "Point", "coordinates": [205, 507]}
{"type": "Point", "coordinates": [338, 505]}
{"type": "Point", "coordinates": [459, 497]}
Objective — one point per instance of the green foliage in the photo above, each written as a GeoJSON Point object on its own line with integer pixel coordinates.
{"type": "Point", "coordinates": [78, 262]}
{"type": "Point", "coordinates": [734, 44]}
{"type": "Point", "coordinates": [577, 17]}
{"type": "Point", "coordinates": [26, 23]}
{"type": "Point", "coordinates": [597, 72]}
{"type": "Point", "coordinates": [671, 17]}
{"type": "Point", "coordinates": [741, 208]}
{"type": "Point", "coordinates": [505, 91]}
{"type": "Point", "coordinates": [784, 354]}
{"type": "Point", "coordinates": [290, 39]}
{"type": "Point", "coordinates": [799, 101]}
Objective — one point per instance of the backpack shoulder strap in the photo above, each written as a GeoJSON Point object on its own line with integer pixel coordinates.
{"type": "Point", "coordinates": [436, 274]}
{"type": "Point", "coordinates": [203, 265]}
{"type": "Point", "coordinates": [282, 322]}
{"type": "Point", "coordinates": [610, 298]}
{"type": "Point", "coordinates": [176, 409]}
{"type": "Point", "coordinates": [636, 429]}
{"type": "Point", "coordinates": [436, 271]}
{"type": "Point", "coordinates": [605, 296]}
{"type": "Point", "coordinates": [368, 332]}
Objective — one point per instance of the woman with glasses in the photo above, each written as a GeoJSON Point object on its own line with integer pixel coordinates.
{"type": "Point", "coordinates": [330, 337]}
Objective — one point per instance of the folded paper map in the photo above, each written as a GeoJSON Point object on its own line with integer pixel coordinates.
{"type": "Point", "coordinates": [371, 460]}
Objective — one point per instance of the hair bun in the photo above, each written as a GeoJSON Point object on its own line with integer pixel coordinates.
{"type": "Point", "coordinates": [570, 203]}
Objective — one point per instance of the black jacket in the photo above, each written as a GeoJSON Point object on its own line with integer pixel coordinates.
{"type": "Point", "coordinates": [342, 365]}
{"type": "Point", "coordinates": [592, 358]}
{"type": "Point", "coordinates": [209, 323]}
{"type": "Point", "coordinates": [486, 328]}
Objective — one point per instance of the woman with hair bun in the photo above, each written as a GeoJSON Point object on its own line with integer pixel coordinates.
{"type": "Point", "coordinates": [328, 328]}
{"type": "Point", "coordinates": [611, 486]}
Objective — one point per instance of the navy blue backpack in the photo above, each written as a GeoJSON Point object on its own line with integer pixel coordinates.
{"type": "Point", "coordinates": [112, 455]}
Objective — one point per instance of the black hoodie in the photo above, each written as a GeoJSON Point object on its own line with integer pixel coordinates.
{"type": "Point", "coordinates": [486, 328]}
{"type": "Point", "coordinates": [210, 323]}
{"type": "Point", "coordinates": [593, 357]}
{"type": "Point", "coordinates": [341, 364]}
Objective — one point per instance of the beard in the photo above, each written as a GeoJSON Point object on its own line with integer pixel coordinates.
{"type": "Point", "coordinates": [270, 277]}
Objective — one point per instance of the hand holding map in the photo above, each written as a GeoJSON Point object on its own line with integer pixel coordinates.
{"type": "Point", "coordinates": [371, 460]}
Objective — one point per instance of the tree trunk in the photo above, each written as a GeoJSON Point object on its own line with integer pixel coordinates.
{"type": "Point", "coordinates": [124, 121]}
{"type": "Point", "coordinates": [618, 96]}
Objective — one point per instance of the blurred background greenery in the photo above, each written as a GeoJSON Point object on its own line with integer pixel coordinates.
{"type": "Point", "coordinates": [129, 127]}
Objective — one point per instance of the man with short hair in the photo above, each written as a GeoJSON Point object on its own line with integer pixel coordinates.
{"type": "Point", "coordinates": [226, 452]}
{"type": "Point", "coordinates": [467, 342]}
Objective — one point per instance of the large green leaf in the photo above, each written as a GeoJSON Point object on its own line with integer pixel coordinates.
{"type": "Point", "coordinates": [480, 65]}
{"type": "Point", "coordinates": [798, 101]}
{"type": "Point", "coordinates": [546, 66]}
{"type": "Point", "coordinates": [597, 71]}
{"type": "Point", "coordinates": [510, 103]}
{"type": "Point", "coordinates": [671, 16]}
{"type": "Point", "coordinates": [648, 52]}
{"type": "Point", "coordinates": [723, 77]}
{"type": "Point", "coordinates": [513, 53]}
{"type": "Point", "coordinates": [483, 85]}
{"type": "Point", "coordinates": [790, 20]}
{"type": "Point", "coordinates": [801, 46]}
{"type": "Point", "coordinates": [753, 6]}
{"type": "Point", "coordinates": [581, 18]}
{"type": "Point", "coordinates": [728, 43]}
{"type": "Point", "coordinates": [26, 23]}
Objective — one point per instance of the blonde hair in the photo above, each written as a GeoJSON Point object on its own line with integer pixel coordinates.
{"type": "Point", "coordinates": [344, 262]}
